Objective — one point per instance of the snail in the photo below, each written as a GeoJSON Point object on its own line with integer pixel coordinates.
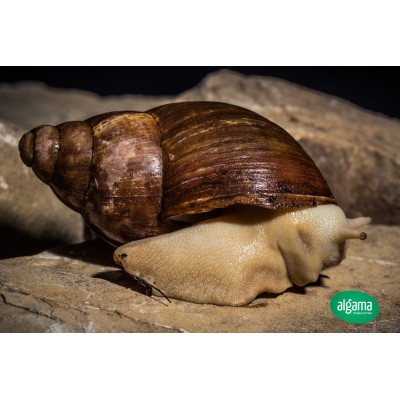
{"type": "Point", "coordinates": [208, 202]}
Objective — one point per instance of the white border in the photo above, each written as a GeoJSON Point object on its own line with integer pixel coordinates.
{"type": "Point", "coordinates": [122, 32]}
{"type": "Point", "coordinates": [185, 366]}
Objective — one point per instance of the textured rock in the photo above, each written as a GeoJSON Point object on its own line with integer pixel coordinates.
{"type": "Point", "coordinates": [29, 104]}
{"type": "Point", "coordinates": [78, 289]}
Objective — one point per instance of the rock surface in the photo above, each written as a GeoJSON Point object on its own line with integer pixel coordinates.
{"type": "Point", "coordinates": [29, 104]}
{"type": "Point", "coordinates": [78, 289]}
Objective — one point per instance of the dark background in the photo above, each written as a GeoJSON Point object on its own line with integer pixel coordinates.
{"type": "Point", "coordinates": [374, 88]}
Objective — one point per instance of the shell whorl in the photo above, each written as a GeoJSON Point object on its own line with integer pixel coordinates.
{"type": "Point", "coordinates": [59, 157]}
{"type": "Point", "coordinates": [124, 195]}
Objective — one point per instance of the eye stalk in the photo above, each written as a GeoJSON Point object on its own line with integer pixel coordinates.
{"type": "Point", "coordinates": [351, 232]}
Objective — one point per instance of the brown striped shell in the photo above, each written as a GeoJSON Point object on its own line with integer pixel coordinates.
{"type": "Point", "coordinates": [133, 174]}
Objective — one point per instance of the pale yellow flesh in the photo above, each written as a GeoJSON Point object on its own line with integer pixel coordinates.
{"type": "Point", "coordinates": [230, 260]}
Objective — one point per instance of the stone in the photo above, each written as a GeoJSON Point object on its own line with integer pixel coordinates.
{"type": "Point", "coordinates": [78, 288]}
{"type": "Point", "coordinates": [30, 104]}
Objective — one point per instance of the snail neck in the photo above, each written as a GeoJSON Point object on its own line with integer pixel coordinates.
{"type": "Point", "coordinates": [290, 239]}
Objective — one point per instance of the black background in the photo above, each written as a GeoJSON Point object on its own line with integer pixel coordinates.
{"type": "Point", "coordinates": [374, 88]}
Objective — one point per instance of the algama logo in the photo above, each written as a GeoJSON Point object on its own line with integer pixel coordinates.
{"type": "Point", "coordinates": [355, 307]}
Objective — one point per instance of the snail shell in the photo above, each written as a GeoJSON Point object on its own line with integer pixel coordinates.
{"type": "Point", "coordinates": [135, 174]}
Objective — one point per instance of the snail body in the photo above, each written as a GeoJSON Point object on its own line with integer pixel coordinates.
{"type": "Point", "coordinates": [216, 200]}
{"type": "Point", "coordinates": [230, 260]}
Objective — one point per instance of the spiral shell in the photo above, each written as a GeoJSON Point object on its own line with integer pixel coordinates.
{"type": "Point", "coordinates": [135, 174]}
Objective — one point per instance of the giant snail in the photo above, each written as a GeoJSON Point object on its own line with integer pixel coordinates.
{"type": "Point", "coordinates": [211, 202]}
